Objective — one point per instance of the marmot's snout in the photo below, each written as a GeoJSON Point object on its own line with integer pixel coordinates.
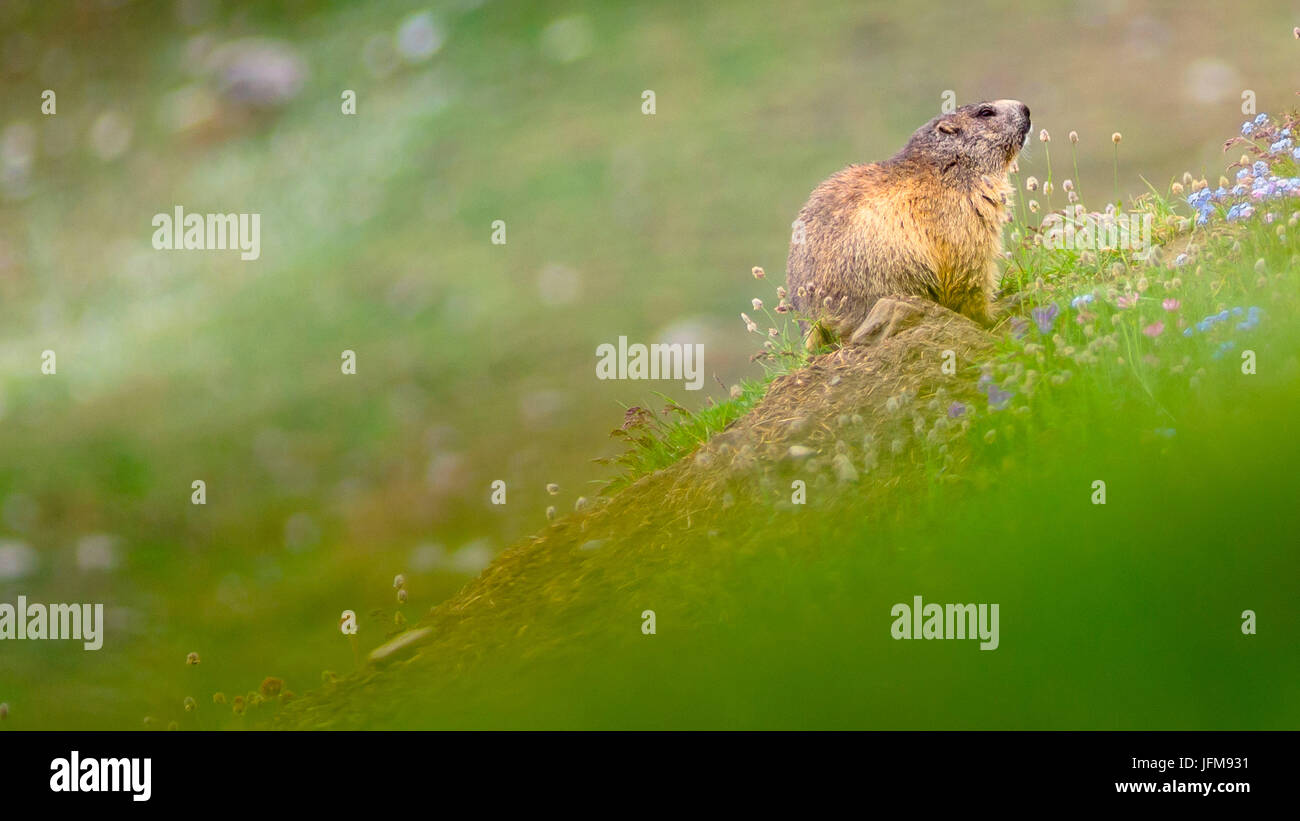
{"type": "Point", "coordinates": [1018, 113]}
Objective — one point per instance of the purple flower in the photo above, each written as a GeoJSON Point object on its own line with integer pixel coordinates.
{"type": "Point", "coordinates": [1045, 317]}
{"type": "Point", "coordinates": [1019, 325]}
{"type": "Point", "coordinates": [956, 410]}
{"type": "Point", "coordinates": [998, 398]}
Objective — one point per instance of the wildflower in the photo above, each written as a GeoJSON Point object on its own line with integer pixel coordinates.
{"type": "Point", "coordinates": [237, 706]}
{"type": "Point", "coordinates": [190, 704]}
{"type": "Point", "coordinates": [218, 698]}
{"type": "Point", "coordinates": [271, 686]}
{"type": "Point", "coordinates": [399, 581]}
{"type": "Point", "coordinates": [1074, 137]}
{"type": "Point", "coordinates": [758, 304]}
{"type": "Point", "coordinates": [750, 325]}
{"type": "Point", "coordinates": [1044, 137]}
{"type": "Point", "coordinates": [1170, 304]}
{"type": "Point", "coordinates": [1154, 329]}
{"type": "Point", "coordinates": [780, 292]}
{"type": "Point", "coordinates": [1224, 346]}
{"type": "Point", "coordinates": [192, 658]}
{"type": "Point", "coordinates": [1019, 325]}
{"type": "Point", "coordinates": [1033, 206]}
{"type": "Point", "coordinates": [1067, 185]}
{"type": "Point", "coordinates": [551, 488]}
{"type": "Point", "coordinates": [1045, 317]}
{"type": "Point", "coordinates": [999, 398]}
{"type": "Point", "coordinates": [1127, 301]}
{"type": "Point", "coordinates": [773, 332]}
{"type": "Point", "coordinates": [1047, 188]}
{"type": "Point", "coordinates": [1177, 189]}
{"type": "Point", "coordinates": [758, 272]}
{"type": "Point", "coordinates": [956, 410]}
{"type": "Point", "coordinates": [550, 513]}
{"type": "Point", "coordinates": [401, 596]}
{"type": "Point", "coordinates": [1116, 137]}
{"type": "Point", "coordinates": [1081, 300]}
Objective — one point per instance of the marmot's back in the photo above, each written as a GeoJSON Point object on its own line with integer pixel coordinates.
{"type": "Point", "coordinates": [927, 222]}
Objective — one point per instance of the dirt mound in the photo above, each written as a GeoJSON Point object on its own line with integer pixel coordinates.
{"type": "Point", "coordinates": [852, 418]}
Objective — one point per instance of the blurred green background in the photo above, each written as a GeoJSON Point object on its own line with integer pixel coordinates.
{"type": "Point", "coordinates": [475, 361]}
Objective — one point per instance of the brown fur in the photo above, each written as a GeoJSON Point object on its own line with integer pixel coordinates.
{"type": "Point", "coordinates": [927, 222]}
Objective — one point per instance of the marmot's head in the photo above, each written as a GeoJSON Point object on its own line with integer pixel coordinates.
{"type": "Point", "coordinates": [982, 138]}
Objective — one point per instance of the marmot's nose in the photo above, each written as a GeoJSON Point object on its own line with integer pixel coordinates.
{"type": "Point", "coordinates": [1014, 105]}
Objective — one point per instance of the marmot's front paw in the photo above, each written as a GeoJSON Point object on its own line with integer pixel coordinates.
{"type": "Point", "coordinates": [888, 317]}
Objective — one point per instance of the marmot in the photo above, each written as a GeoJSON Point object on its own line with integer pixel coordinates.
{"type": "Point", "coordinates": [926, 222]}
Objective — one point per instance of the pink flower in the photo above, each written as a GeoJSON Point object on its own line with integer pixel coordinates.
{"type": "Point", "coordinates": [1127, 301]}
{"type": "Point", "coordinates": [1170, 304]}
{"type": "Point", "coordinates": [1154, 329]}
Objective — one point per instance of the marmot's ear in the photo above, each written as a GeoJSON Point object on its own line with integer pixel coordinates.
{"type": "Point", "coordinates": [947, 127]}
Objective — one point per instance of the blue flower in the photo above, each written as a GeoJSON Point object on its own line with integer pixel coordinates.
{"type": "Point", "coordinates": [1260, 168]}
{"type": "Point", "coordinates": [1246, 128]}
{"type": "Point", "coordinates": [1081, 300]}
{"type": "Point", "coordinates": [1261, 119]}
{"type": "Point", "coordinates": [1281, 145]}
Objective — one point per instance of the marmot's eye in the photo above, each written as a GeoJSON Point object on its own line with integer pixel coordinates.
{"type": "Point", "coordinates": [986, 111]}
